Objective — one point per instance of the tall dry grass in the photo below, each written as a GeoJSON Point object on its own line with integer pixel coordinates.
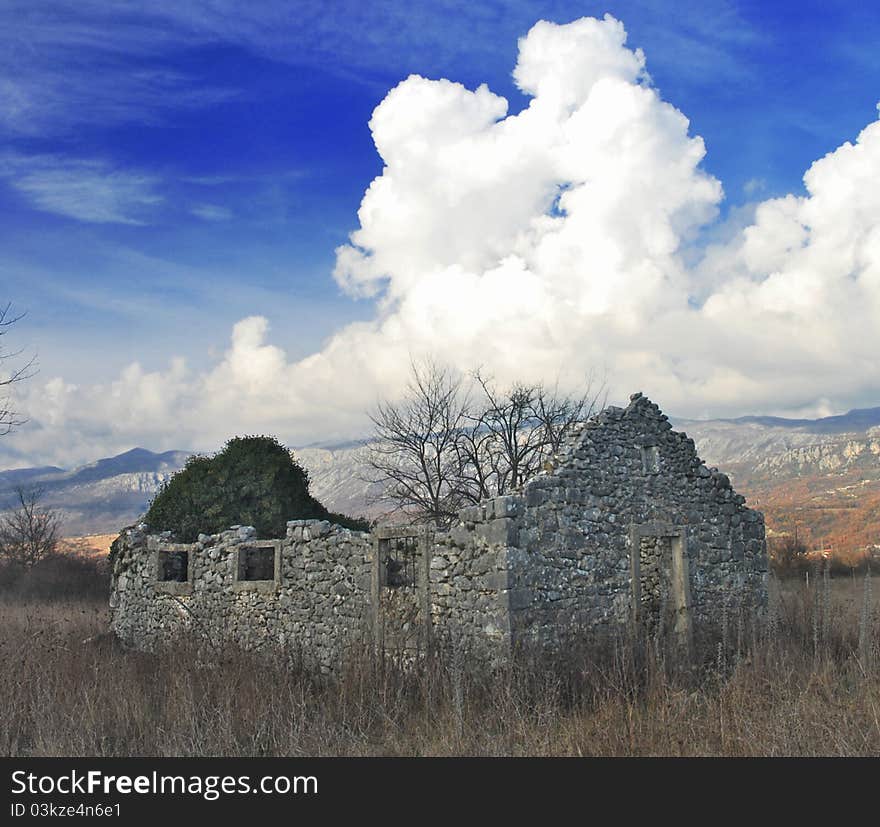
{"type": "Point", "coordinates": [803, 682]}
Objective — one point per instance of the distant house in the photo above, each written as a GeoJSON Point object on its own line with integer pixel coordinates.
{"type": "Point", "coordinates": [626, 528]}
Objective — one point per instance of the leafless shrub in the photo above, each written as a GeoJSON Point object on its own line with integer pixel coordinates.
{"type": "Point", "coordinates": [787, 555]}
{"type": "Point", "coordinates": [30, 531]}
{"type": "Point", "coordinates": [60, 576]}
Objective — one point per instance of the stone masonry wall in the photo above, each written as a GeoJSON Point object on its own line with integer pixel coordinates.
{"type": "Point", "coordinates": [318, 603]}
{"type": "Point", "coordinates": [556, 558]}
{"type": "Point", "coordinates": [469, 588]}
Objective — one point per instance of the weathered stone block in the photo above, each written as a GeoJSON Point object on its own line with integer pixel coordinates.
{"type": "Point", "coordinates": [471, 514]}
{"type": "Point", "coordinates": [519, 599]}
{"type": "Point", "coordinates": [501, 532]}
{"type": "Point", "coordinates": [460, 536]}
{"type": "Point", "coordinates": [495, 580]}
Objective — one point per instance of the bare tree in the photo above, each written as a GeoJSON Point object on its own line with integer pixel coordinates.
{"type": "Point", "coordinates": [445, 445]}
{"type": "Point", "coordinates": [511, 434]}
{"type": "Point", "coordinates": [413, 453]}
{"type": "Point", "coordinates": [9, 419]}
{"type": "Point", "coordinates": [30, 531]}
{"type": "Point", "coordinates": [557, 413]}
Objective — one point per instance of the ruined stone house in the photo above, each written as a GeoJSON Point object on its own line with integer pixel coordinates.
{"type": "Point", "coordinates": [627, 528]}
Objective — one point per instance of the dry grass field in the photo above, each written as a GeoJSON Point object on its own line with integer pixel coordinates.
{"type": "Point", "coordinates": [806, 683]}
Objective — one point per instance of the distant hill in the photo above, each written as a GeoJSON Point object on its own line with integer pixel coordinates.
{"type": "Point", "coordinates": [336, 474]}
{"type": "Point", "coordinates": [818, 477]}
{"type": "Point", "coordinates": [767, 448]}
{"type": "Point", "coordinates": [22, 476]}
{"type": "Point", "coordinates": [859, 419]}
{"type": "Point", "coordinates": [100, 497]}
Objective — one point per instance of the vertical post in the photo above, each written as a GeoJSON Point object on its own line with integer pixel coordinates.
{"type": "Point", "coordinates": [426, 544]}
{"type": "Point", "coordinates": [681, 590]}
{"type": "Point", "coordinates": [375, 586]}
{"type": "Point", "coordinates": [635, 572]}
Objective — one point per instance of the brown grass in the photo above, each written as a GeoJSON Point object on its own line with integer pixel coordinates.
{"type": "Point", "coordinates": [799, 685]}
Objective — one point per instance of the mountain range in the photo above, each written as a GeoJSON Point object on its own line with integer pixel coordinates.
{"type": "Point", "coordinates": [819, 472]}
{"type": "Point", "coordinates": [100, 497]}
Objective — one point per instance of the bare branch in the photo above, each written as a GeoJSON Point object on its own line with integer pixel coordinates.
{"type": "Point", "coordinates": [522, 427]}
{"type": "Point", "coordinates": [9, 418]}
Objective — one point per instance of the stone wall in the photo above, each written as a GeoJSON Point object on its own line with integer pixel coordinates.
{"type": "Point", "coordinates": [566, 548]}
{"type": "Point", "coordinates": [469, 589]}
{"type": "Point", "coordinates": [626, 526]}
{"type": "Point", "coordinates": [318, 602]}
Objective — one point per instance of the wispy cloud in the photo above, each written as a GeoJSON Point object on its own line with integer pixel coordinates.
{"type": "Point", "coordinates": [211, 212]}
{"type": "Point", "coordinates": [754, 186]}
{"type": "Point", "coordinates": [106, 62]}
{"type": "Point", "coordinates": [92, 191]}
{"type": "Point", "coordinates": [65, 66]}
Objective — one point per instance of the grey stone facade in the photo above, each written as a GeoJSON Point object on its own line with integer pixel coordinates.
{"type": "Point", "coordinates": [316, 601]}
{"type": "Point", "coordinates": [626, 526]}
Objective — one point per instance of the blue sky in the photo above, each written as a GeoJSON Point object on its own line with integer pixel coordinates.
{"type": "Point", "coordinates": [168, 169]}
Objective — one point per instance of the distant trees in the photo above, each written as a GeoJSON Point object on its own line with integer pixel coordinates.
{"type": "Point", "coordinates": [452, 440]}
{"type": "Point", "coordinates": [29, 532]}
{"type": "Point", "coordinates": [9, 419]}
{"type": "Point", "coordinates": [788, 554]}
